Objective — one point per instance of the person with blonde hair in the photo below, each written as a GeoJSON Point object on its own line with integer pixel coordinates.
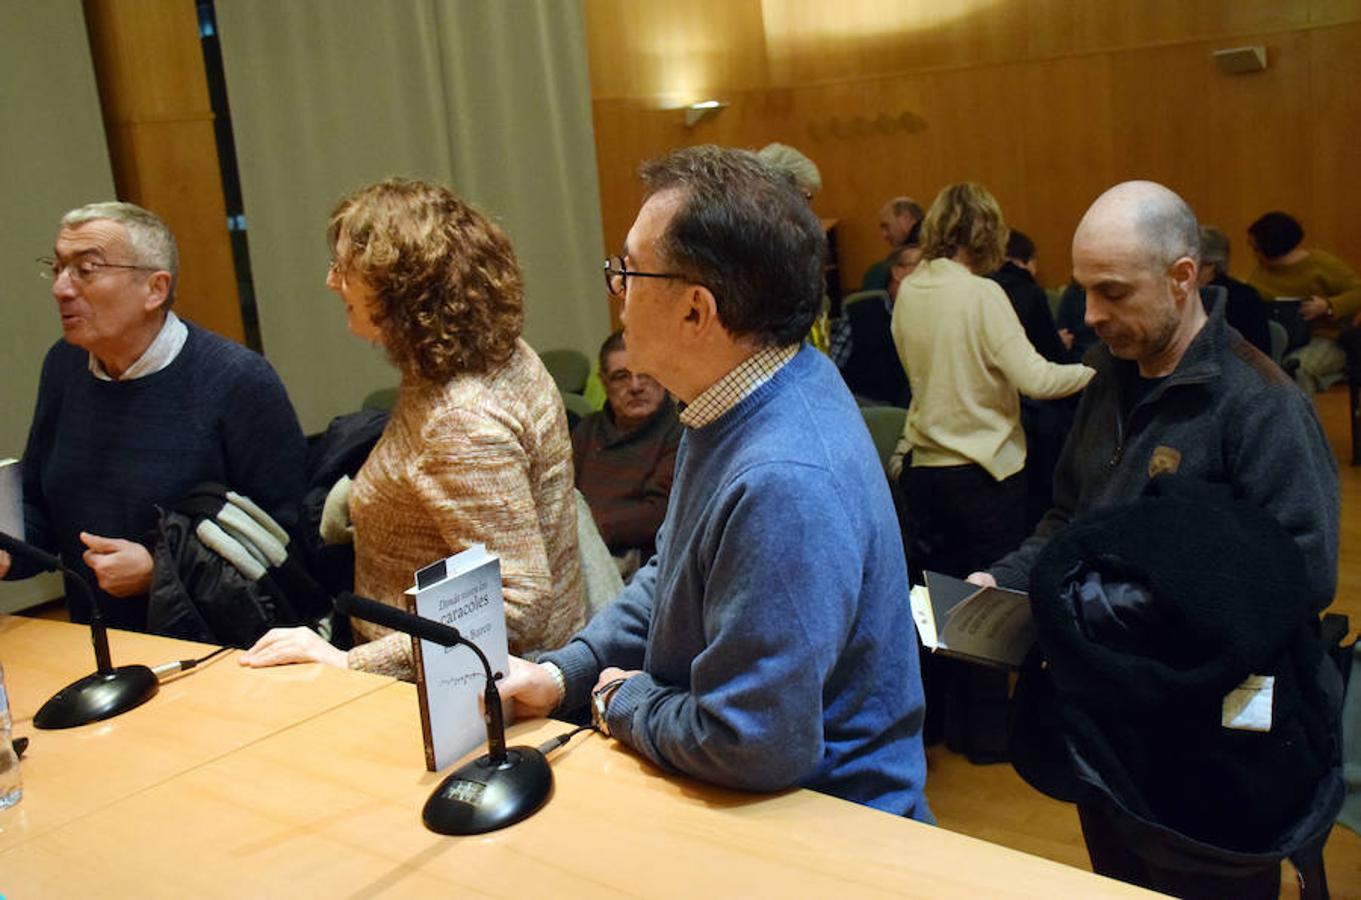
{"type": "Point", "coordinates": [966, 357]}
{"type": "Point", "coordinates": [962, 481]}
{"type": "Point", "coordinates": [477, 449]}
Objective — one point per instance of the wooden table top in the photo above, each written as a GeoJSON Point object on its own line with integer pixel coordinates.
{"type": "Point", "coordinates": [331, 806]}
{"type": "Point", "coordinates": [195, 717]}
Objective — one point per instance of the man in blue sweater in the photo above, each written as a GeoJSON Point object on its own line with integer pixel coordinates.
{"type": "Point", "coordinates": [135, 407]}
{"type": "Point", "coordinates": [768, 643]}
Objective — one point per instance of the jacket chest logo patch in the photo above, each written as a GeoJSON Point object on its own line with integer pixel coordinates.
{"type": "Point", "coordinates": [1164, 461]}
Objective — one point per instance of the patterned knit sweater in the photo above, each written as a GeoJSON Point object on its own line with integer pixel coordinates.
{"type": "Point", "coordinates": [486, 459]}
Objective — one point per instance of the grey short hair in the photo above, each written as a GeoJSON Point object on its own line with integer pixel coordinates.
{"type": "Point", "coordinates": [906, 206]}
{"type": "Point", "coordinates": [1214, 249]}
{"type": "Point", "coordinates": [803, 169]}
{"type": "Point", "coordinates": [1168, 229]}
{"type": "Point", "coordinates": [151, 240]}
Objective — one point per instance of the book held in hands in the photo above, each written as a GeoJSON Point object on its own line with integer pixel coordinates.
{"type": "Point", "coordinates": [464, 592]}
{"type": "Point", "coordinates": [985, 625]}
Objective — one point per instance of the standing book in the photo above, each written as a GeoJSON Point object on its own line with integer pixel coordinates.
{"type": "Point", "coordinates": [11, 499]}
{"type": "Point", "coordinates": [463, 591]}
{"type": "Point", "coordinates": [992, 626]}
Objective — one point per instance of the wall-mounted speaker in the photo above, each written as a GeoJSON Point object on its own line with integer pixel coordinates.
{"type": "Point", "coordinates": [1238, 60]}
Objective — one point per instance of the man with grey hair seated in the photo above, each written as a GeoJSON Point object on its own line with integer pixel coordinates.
{"type": "Point", "coordinates": [1244, 308]}
{"type": "Point", "coordinates": [900, 220]}
{"type": "Point", "coordinates": [135, 406]}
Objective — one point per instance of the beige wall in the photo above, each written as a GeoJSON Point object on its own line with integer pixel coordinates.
{"type": "Point", "coordinates": [53, 158]}
{"type": "Point", "coordinates": [1047, 102]}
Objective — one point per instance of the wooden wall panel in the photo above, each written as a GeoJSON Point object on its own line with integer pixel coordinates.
{"type": "Point", "coordinates": [1335, 128]}
{"type": "Point", "coordinates": [675, 52]}
{"type": "Point", "coordinates": [1062, 125]}
{"type": "Point", "coordinates": [1047, 102]}
{"type": "Point", "coordinates": [154, 94]}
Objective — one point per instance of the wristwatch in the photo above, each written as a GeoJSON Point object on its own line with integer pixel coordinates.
{"type": "Point", "coordinates": [600, 704]}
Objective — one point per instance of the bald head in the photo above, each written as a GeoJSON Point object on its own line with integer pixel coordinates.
{"type": "Point", "coordinates": [1135, 254]}
{"type": "Point", "coordinates": [1143, 217]}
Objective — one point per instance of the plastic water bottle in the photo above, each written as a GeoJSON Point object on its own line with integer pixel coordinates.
{"type": "Point", "coordinates": [11, 785]}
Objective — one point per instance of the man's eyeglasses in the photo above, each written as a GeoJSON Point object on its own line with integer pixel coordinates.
{"type": "Point", "coordinates": [617, 275]}
{"type": "Point", "coordinates": [82, 271]}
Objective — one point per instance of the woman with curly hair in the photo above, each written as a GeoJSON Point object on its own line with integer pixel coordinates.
{"type": "Point", "coordinates": [477, 449]}
{"type": "Point", "coordinates": [966, 356]}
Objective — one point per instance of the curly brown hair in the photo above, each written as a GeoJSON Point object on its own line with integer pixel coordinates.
{"type": "Point", "coordinates": [450, 299]}
{"type": "Point", "coordinates": [965, 217]}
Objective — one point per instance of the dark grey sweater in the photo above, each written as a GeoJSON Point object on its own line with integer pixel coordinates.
{"type": "Point", "coordinates": [1228, 415]}
{"type": "Point", "coordinates": [102, 454]}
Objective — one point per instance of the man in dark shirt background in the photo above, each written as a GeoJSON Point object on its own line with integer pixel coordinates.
{"type": "Point", "coordinates": [1244, 309]}
{"type": "Point", "coordinates": [625, 456]}
{"type": "Point", "coordinates": [1017, 278]}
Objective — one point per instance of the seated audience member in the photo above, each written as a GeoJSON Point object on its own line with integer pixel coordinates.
{"type": "Point", "coordinates": [135, 407]}
{"type": "Point", "coordinates": [1178, 392]}
{"type": "Point", "coordinates": [871, 366]}
{"type": "Point", "coordinates": [764, 645]}
{"type": "Point", "coordinates": [1071, 320]}
{"type": "Point", "coordinates": [1017, 278]}
{"type": "Point", "coordinates": [625, 456]}
{"type": "Point", "coordinates": [476, 449]}
{"type": "Point", "coordinates": [1243, 306]}
{"type": "Point", "coordinates": [899, 224]}
{"type": "Point", "coordinates": [1329, 289]}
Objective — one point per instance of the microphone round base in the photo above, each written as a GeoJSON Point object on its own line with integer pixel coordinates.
{"type": "Point", "coordinates": [482, 796]}
{"type": "Point", "coordinates": [101, 695]}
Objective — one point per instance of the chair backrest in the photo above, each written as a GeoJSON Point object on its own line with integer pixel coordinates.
{"type": "Point", "coordinates": [577, 404]}
{"type": "Point", "coordinates": [599, 575]}
{"type": "Point", "coordinates": [886, 426]}
{"type": "Point", "coordinates": [569, 368]}
{"type": "Point", "coordinates": [1280, 340]}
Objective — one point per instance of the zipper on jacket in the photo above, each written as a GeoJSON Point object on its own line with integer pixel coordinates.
{"type": "Point", "coordinates": [1118, 453]}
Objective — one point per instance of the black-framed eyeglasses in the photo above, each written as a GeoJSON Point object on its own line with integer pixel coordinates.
{"type": "Point", "coordinates": [82, 270]}
{"type": "Point", "coordinates": [617, 275]}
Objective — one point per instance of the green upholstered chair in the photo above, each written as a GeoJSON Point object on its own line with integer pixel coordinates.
{"type": "Point", "coordinates": [886, 425]}
{"type": "Point", "coordinates": [569, 368]}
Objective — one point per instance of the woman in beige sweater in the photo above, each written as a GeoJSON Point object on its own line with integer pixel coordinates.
{"type": "Point", "coordinates": [966, 356]}
{"type": "Point", "coordinates": [477, 449]}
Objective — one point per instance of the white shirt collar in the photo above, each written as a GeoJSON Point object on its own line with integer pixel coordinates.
{"type": "Point", "coordinates": [167, 344]}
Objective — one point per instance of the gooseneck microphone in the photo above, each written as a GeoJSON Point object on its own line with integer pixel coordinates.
{"type": "Point", "coordinates": [109, 691]}
{"type": "Point", "coordinates": [492, 791]}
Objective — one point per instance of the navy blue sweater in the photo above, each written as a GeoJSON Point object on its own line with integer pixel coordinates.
{"type": "Point", "coordinates": [102, 454]}
{"type": "Point", "coordinates": [772, 626]}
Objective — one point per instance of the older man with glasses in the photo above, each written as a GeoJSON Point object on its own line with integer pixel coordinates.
{"type": "Point", "coordinates": [625, 455]}
{"type": "Point", "coordinates": [767, 642]}
{"type": "Point", "coordinates": [135, 406]}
